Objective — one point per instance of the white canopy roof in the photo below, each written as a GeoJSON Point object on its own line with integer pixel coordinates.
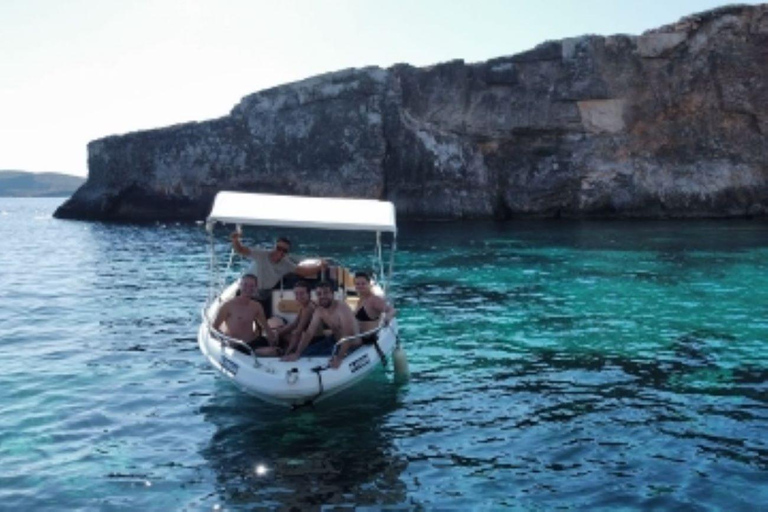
{"type": "Point", "coordinates": [303, 212]}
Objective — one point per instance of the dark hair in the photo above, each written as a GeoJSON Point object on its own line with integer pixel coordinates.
{"type": "Point", "coordinates": [255, 281]}
{"type": "Point", "coordinates": [324, 284]}
{"type": "Point", "coordinates": [364, 275]}
{"type": "Point", "coordinates": [285, 240]}
{"type": "Point", "coordinates": [302, 284]}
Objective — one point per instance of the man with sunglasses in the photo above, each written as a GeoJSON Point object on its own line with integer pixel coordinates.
{"type": "Point", "coordinates": [269, 266]}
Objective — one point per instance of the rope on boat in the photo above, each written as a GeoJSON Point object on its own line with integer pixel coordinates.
{"type": "Point", "coordinates": [310, 402]}
{"type": "Point", "coordinates": [320, 387]}
{"type": "Point", "coordinates": [375, 343]}
{"type": "Point", "coordinates": [319, 369]}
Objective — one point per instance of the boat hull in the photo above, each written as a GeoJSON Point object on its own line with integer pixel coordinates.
{"type": "Point", "coordinates": [305, 381]}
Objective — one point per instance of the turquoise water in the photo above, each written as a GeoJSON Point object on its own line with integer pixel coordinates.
{"type": "Point", "coordinates": [556, 366]}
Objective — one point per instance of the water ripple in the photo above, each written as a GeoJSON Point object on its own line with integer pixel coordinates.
{"type": "Point", "coordinates": [554, 366]}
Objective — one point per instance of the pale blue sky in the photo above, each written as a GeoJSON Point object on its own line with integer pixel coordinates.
{"type": "Point", "coordinates": [76, 70]}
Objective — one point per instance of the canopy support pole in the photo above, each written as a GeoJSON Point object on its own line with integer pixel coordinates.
{"type": "Point", "coordinates": [213, 268]}
{"type": "Point", "coordinates": [391, 264]}
{"type": "Point", "coordinates": [380, 259]}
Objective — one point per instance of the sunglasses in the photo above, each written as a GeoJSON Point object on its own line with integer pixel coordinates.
{"type": "Point", "coordinates": [282, 249]}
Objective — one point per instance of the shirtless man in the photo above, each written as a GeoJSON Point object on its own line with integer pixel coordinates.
{"type": "Point", "coordinates": [242, 317]}
{"type": "Point", "coordinates": [291, 333]}
{"type": "Point", "coordinates": [337, 316]}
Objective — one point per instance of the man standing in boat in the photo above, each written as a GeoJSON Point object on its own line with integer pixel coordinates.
{"type": "Point", "coordinates": [243, 319]}
{"type": "Point", "coordinates": [270, 266]}
{"type": "Point", "coordinates": [335, 315]}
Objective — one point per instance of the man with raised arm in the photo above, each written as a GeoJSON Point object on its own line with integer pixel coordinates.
{"type": "Point", "coordinates": [270, 266]}
{"type": "Point", "coordinates": [335, 315]}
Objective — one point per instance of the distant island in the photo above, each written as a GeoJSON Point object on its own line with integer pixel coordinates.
{"type": "Point", "coordinates": [46, 184]}
{"type": "Point", "coordinates": [671, 123]}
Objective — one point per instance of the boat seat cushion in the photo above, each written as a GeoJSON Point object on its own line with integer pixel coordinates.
{"type": "Point", "coordinates": [288, 306]}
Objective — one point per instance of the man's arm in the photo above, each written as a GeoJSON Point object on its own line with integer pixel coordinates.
{"type": "Point", "coordinates": [298, 324]}
{"type": "Point", "coordinates": [303, 320]}
{"type": "Point", "coordinates": [289, 328]}
{"type": "Point", "coordinates": [221, 317]}
{"type": "Point", "coordinates": [349, 327]}
{"type": "Point", "coordinates": [238, 246]}
{"type": "Point", "coordinates": [306, 337]}
{"type": "Point", "coordinates": [261, 319]}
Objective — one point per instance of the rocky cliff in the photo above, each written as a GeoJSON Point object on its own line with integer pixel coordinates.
{"type": "Point", "coordinates": [671, 123]}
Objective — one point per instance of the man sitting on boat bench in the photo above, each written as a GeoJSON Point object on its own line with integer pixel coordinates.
{"type": "Point", "coordinates": [290, 333]}
{"type": "Point", "coordinates": [270, 266]}
{"type": "Point", "coordinates": [242, 318]}
{"type": "Point", "coordinates": [335, 315]}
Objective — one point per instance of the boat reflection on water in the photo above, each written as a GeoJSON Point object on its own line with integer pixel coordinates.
{"type": "Point", "coordinates": [339, 452]}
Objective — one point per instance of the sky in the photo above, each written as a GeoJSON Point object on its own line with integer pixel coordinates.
{"type": "Point", "coordinates": [72, 71]}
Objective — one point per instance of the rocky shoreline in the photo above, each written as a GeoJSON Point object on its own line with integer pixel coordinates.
{"type": "Point", "coordinates": [669, 124]}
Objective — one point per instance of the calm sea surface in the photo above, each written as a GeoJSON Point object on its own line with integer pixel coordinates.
{"type": "Point", "coordinates": [556, 366]}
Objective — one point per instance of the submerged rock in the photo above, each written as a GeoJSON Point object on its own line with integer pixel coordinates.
{"type": "Point", "coordinates": [671, 123]}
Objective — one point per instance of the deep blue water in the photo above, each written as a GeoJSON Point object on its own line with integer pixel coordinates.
{"type": "Point", "coordinates": [556, 366]}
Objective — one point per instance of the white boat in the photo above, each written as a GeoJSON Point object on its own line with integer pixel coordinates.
{"type": "Point", "coordinates": [309, 379]}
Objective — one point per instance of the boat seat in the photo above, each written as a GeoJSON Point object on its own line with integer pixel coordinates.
{"type": "Point", "coordinates": [288, 306]}
{"type": "Point", "coordinates": [346, 278]}
{"type": "Point", "coordinates": [293, 306]}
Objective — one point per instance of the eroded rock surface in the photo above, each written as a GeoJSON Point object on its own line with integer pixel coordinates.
{"type": "Point", "coordinates": [671, 123]}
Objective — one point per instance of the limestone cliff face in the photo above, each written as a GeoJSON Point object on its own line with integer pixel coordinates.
{"type": "Point", "coordinates": [672, 123]}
